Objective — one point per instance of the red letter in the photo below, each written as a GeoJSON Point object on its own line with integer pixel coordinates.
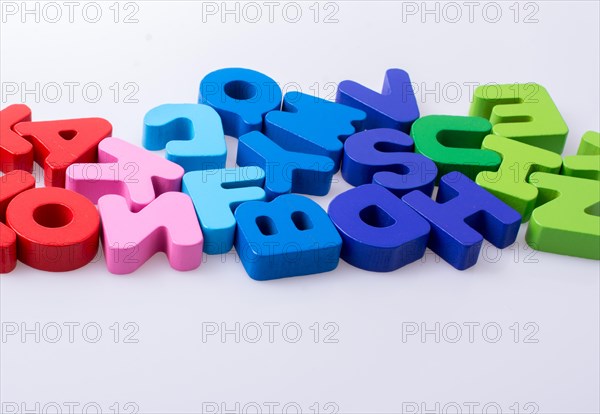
{"type": "Point", "coordinates": [57, 229]}
{"type": "Point", "coordinates": [58, 144]}
{"type": "Point", "coordinates": [11, 184]}
{"type": "Point", "coordinates": [15, 152]}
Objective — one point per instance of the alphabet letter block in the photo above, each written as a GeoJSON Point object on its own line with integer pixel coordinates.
{"type": "Point", "coordinates": [191, 133]}
{"type": "Point", "coordinates": [454, 143]}
{"type": "Point", "coordinates": [58, 144]}
{"type": "Point", "coordinates": [127, 170]}
{"type": "Point", "coordinates": [242, 97]}
{"type": "Point", "coordinates": [57, 229]}
{"type": "Point", "coordinates": [519, 160]}
{"type": "Point", "coordinates": [567, 220]}
{"type": "Point", "coordinates": [286, 171]}
{"type": "Point", "coordinates": [289, 236]}
{"type": "Point", "coordinates": [167, 224]}
{"type": "Point", "coordinates": [384, 156]}
{"type": "Point", "coordinates": [463, 213]}
{"type": "Point", "coordinates": [396, 106]}
{"type": "Point", "coordinates": [524, 112]}
{"type": "Point", "coordinates": [313, 125]}
{"type": "Point", "coordinates": [216, 194]}
{"type": "Point", "coordinates": [379, 231]}
{"type": "Point", "coordinates": [11, 184]}
{"type": "Point", "coordinates": [16, 153]}
{"type": "Point", "coordinates": [586, 164]}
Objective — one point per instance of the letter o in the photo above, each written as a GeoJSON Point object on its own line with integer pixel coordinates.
{"type": "Point", "coordinates": [54, 218]}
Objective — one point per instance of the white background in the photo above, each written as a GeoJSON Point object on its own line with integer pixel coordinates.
{"type": "Point", "coordinates": [161, 58]}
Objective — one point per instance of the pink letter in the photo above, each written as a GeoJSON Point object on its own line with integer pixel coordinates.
{"type": "Point", "coordinates": [168, 224]}
{"type": "Point", "coordinates": [127, 170]}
